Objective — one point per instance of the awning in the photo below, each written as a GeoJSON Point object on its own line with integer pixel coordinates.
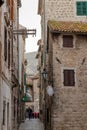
{"type": "Point", "coordinates": [27, 98]}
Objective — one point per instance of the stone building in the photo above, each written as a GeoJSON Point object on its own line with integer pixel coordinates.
{"type": "Point", "coordinates": [22, 71]}
{"type": "Point", "coordinates": [9, 62]}
{"type": "Point", "coordinates": [64, 33]}
{"type": "Point", "coordinates": [5, 95]}
{"type": "Point", "coordinates": [0, 63]}
{"type": "Point", "coordinates": [32, 89]}
{"type": "Point", "coordinates": [34, 102]}
{"type": "Point", "coordinates": [39, 56]}
{"type": "Point", "coordinates": [67, 69]}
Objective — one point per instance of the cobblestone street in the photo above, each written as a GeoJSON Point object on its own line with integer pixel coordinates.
{"type": "Point", "coordinates": [32, 124]}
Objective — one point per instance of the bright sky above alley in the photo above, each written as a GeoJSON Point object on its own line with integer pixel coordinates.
{"type": "Point", "coordinates": [30, 19]}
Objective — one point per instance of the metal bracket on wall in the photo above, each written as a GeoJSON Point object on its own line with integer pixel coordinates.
{"type": "Point", "coordinates": [25, 32]}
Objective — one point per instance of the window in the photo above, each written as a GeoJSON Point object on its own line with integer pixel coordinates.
{"type": "Point", "coordinates": [67, 41]}
{"type": "Point", "coordinates": [48, 115]}
{"type": "Point", "coordinates": [4, 109]}
{"type": "Point", "coordinates": [14, 107]}
{"type": "Point", "coordinates": [8, 54]}
{"type": "Point", "coordinates": [81, 8]}
{"type": "Point", "coordinates": [0, 55]}
{"type": "Point", "coordinates": [42, 59]}
{"type": "Point", "coordinates": [8, 116]}
{"type": "Point", "coordinates": [69, 77]}
{"type": "Point", "coordinates": [5, 43]}
{"type": "Point", "coordinates": [8, 2]}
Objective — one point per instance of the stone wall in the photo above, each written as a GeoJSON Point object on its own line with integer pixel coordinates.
{"type": "Point", "coordinates": [69, 109]}
{"type": "Point", "coordinates": [36, 95]}
{"type": "Point", "coordinates": [69, 103]}
{"type": "Point", "coordinates": [62, 10]}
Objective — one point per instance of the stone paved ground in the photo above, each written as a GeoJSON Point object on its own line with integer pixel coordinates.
{"type": "Point", "coordinates": [32, 124]}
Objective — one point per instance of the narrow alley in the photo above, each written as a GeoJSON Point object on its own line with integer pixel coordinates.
{"type": "Point", "coordinates": [43, 64]}
{"type": "Point", "coordinates": [32, 124]}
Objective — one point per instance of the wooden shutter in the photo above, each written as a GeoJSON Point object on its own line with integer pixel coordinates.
{"type": "Point", "coordinates": [8, 54]}
{"type": "Point", "coordinates": [25, 79]}
{"type": "Point", "coordinates": [0, 56]}
{"type": "Point", "coordinates": [12, 10]}
{"type": "Point", "coordinates": [67, 41]}
{"type": "Point", "coordinates": [4, 111]}
{"type": "Point", "coordinates": [66, 78]}
{"type": "Point", "coordinates": [5, 43]}
{"type": "Point", "coordinates": [72, 78]}
{"type": "Point", "coordinates": [48, 113]}
{"type": "Point", "coordinates": [8, 2]}
{"type": "Point", "coordinates": [84, 8]}
{"type": "Point", "coordinates": [69, 78]}
{"type": "Point", "coordinates": [81, 8]}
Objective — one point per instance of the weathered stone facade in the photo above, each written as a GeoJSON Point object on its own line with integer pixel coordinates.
{"type": "Point", "coordinates": [62, 10]}
{"type": "Point", "coordinates": [9, 100]}
{"type": "Point", "coordinates": [67, 108]}
{"type": "Point", "coordinates": [69, 103]}
{"type": "Point", "coordinates": [34, 93]}
{"type": "Point", "coordinates": [40, 68]}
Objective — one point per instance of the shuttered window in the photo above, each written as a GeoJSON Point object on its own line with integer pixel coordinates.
{"type": "Point", "coordinates": [69, 77]}
{"type": "Point", "coordinates": [12, 10]}
{"type": "Point", "coordinates": [8, 54]}
{"type": "Point", "coordinates": [5, 43]}
{"type": "Point", "coordinates": [25, 79]}
{"type": "Point", "coordinates": [4, 111]}
{"type": "Point", "coordinates": [48, 115]}
{"type": "Point", "coordinates": [8, 2]}
{"type": "Point", "coordinates": [67, 41]}
{"type": "Point", "coordinates": [81, 8]}
{"type": "Point", "coordinates": [0, 55]}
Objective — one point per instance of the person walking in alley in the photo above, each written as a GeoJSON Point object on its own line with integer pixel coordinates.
{"type": "Point", "coordinates": [29, 112]}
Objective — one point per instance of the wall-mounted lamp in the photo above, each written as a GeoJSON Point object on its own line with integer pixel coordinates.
{"type": "Point", "coordinates": [44, 74]}
{"type": "Point", "coordinates": [49, 88]}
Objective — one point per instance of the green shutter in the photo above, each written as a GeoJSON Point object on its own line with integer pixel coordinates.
{"type": "Point", "coordinates": [25, 79]}
{"type": "Point", "coordinates": [84, 9]}
{"type": "Point", "coordinates": [81, 8]}
{"type": "Point", "coordinates": [24, 98]}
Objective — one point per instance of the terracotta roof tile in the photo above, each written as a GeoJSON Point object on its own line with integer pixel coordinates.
{"type": "Point", "coordinates": [62, 26]}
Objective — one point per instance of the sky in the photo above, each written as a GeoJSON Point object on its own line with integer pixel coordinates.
{"type": "Point", "coordinates": [29, 18]}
